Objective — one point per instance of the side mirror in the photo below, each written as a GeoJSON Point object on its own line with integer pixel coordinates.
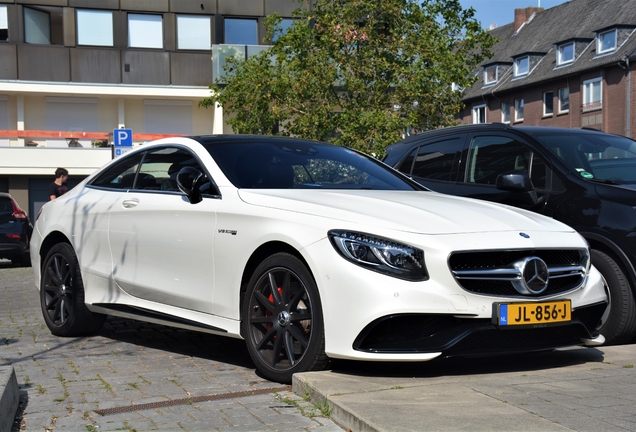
{"type": "Point", "coordinates": [519, 183]}
{"type": "Point", "coordinates": [514, 181]}
{"type": "Point", "coordinates": [188, 181]}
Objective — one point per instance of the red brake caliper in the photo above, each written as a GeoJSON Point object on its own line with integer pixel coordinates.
{"type": "Point", "coordinates": [268, 313]}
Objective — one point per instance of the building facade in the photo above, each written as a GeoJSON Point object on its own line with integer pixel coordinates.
{"type": "Point", "coordinates": [568, 66]}
{"type": "Point", "coordinates": [72, 71]}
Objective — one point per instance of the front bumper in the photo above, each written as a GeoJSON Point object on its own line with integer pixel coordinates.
{"type": "Point", "coordinates": [454, 336]}
{"type": "Point", "coordinates": [370, 316]}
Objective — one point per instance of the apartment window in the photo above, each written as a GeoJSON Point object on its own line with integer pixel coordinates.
{"type": "Point", "coordinates": [606, 42]}
{"type": "Point", "coordinates": [145, 31]}
{"type": "Point", "coordinates": [284, 25]}
{"type": "Point", "coordinates": [74, 114]}
{"type": "Point", "coordinates": [241, 31]}
{"type": "Point", "coordinates": [505, 112]}
{"type": "Point", "coordinates": [564, 100]}
{"type": "Point", "coordinates": [37, 27]}
{"type": "Point", "coordinates": [94, 27]}
{"type": "Point", "coordinates": [193, 32]}
{"type": "Point", "coordinates": [168, 116]}
{"type": "Point", "coordinates": [479, 114]}
{"type": "Point", "coordinates": [491, 75]}
{"type": "Point", "coordinates": [548, 103]}
{"type": "Point", "coordinates": [519, 109]}
{"type": "Point", "coordinates": [592, 93]}
{"type": "Point", "coordinates": [522, 66]}
{"type": "Point", "coordinates": [565, 53]}
{"type": "Point", "coordinates": [4, 24]}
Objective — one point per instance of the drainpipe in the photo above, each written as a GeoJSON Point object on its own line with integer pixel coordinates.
{"type": "Point", "coordinates": [624, 63]}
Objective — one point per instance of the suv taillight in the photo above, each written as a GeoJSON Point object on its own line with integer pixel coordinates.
{"type": "Point", "coordinates": [18, 213]}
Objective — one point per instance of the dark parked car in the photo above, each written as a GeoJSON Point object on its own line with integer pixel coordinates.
{"type": "Point", "coordinates": [15, 232]}
{"type": "Point", "coordinates": [582, 177]}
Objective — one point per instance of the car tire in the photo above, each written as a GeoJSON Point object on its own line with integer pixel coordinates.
{"type": "Point", "coordinates": [619, 326]}
{"type": "Point", "coordinates": [282, 319]}
{"type": "Point", "coordinates": [62, 295]}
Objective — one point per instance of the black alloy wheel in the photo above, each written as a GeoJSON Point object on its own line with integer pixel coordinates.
{"type": "Point", "coordinates": [282, 319]}
{"type": "Point", "coordinates": [62, 295]}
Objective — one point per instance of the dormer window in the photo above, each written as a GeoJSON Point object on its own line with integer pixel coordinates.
{"type": "Point", "coordinates": [522, 66]}
{"type": "Point", "coordinates": [606, 42]}
{"type": "Point", "coordinates": [491, 74]}
{"type": "Point", "coordinates": [565, 53]}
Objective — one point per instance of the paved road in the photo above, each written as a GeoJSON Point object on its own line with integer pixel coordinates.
{"type": "Point", "coordinates": [177, 380]}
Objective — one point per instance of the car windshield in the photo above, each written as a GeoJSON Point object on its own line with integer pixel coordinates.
{"type": "Point", "coordinates": [600, 157]}
{"type": "Point", "coordinates": [287, 164]}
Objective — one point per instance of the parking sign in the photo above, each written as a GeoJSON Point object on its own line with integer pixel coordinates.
{"type": "Point", "coordinates": [122, 142]}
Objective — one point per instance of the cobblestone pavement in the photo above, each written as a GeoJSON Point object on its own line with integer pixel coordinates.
{"type": "Point", "coordinates": [178, 380]}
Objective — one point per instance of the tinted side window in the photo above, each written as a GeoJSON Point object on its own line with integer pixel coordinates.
{"type": "Point", "coordinates": [160, 167]}
{"type": "Point", "coordinates": [490, 156]}
{"type": "Point", "coordinates": [407, 164]}
{"type": "Point", "coordinates": [121, 175]}
{"type": "Point", "coordinates": [436, 161]}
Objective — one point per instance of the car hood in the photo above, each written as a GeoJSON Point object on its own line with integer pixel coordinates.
{"type": "Point", "coordinates": [411, 211]}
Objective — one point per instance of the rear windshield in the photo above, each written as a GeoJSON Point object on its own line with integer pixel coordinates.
{"type": "Point", "coordinates": [601, 157]}
{"type": "Point", "coordinates": [6, 206]}
{"type": "Point", "coordinates": [288, 164]}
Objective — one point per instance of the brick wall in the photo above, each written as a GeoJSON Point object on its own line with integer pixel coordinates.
{"type": "Point", "coordinates": [610, 117]}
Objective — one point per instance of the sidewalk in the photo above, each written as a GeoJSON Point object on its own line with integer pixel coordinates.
{"type": "Point", "coordinates": [577, 389]}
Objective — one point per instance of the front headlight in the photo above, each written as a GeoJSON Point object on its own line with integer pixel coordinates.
{"type": "Point", "coordinates": [380, 254]}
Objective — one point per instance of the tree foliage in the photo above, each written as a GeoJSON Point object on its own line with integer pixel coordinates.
{"type": "Point", "coordinates": [358, 73]}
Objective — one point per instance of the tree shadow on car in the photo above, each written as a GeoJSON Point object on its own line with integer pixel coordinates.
{"type": "Point", "coordinates": [474, 365]}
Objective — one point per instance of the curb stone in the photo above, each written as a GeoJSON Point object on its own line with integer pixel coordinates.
{"type": "Point", "coordinates": [9, 397]}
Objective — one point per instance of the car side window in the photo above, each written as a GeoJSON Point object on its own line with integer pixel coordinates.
{"type": "Point", "coordinates": [434, 161]}
{"type": "Point", "coordinates": [120, 175]}
{"type": "Point", "coordinates": [159, 169]}
{"type": "Point", "coordinates": [437, 161]}
{"type": "Point", "coordinates": [489, 156]}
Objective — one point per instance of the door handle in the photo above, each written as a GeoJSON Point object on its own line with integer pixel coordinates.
{"type": "Point", "coordinates": [130, 203]}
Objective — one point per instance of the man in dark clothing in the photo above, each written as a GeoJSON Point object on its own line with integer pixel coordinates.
{"type": "Point", "coordinates": [58, 187]}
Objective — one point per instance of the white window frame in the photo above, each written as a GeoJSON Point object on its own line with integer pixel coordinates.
{"type": "Point", "coordinates": [496, 68]}
{"type": "Point", "coordinates": [505, 112]}
{"type": "Point", "coordinates": [560, 60]}
{"type": "Point", "coordinates": [477, 110]}
{"type": "Point", "coordinates": [94, 27]}
{"type": "Point", "coordinates": [145, 31]}
{"type": "Point", "coordinates": [561, 98]}
{"type": "Point", "coordinates": [4, 19]}
{"type": "Point", "coordinates": [545, 104]}
{"type": "Point", "coordinates": [588, 87]}
{"type": "Point", "coordinates": [194, 32]}
{"type": "Point", "coordinates": [519, 103]}
{"type": "Point", "coordinates": [601, 37]}
{"type": "Point", "coordinates": [517, 64]}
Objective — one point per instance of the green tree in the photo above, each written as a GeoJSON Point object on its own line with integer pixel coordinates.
{"type": "Point", "coordinates": [357, 73]}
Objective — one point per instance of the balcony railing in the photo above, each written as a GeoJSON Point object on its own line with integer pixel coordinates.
{"type": "Point", "coordinates": [220, 54]}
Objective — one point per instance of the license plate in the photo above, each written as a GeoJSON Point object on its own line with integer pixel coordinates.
{"type": "Point", "coordinates": [514, 314]}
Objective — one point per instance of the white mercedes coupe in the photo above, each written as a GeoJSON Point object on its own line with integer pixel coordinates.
{"type": "Point", "coordinates": [308, 251]}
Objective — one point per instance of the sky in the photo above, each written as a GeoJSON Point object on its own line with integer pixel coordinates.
{"type": "Point", "coordinates": [502, 12]}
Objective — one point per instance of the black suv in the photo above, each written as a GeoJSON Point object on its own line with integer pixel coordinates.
{"type": "Point", "coordinates": [15, 231]}
{"type": "Point", "coordinates": [581, 177]}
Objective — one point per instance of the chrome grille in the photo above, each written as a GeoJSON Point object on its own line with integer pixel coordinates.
{"type": "Point", "coordinates": [494, 272]}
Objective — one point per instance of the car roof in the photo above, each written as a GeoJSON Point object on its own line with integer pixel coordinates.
{"type": "Point", "coordinates": [213, 139]}
{"type": "Point", "coordinates": [467, 128]}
